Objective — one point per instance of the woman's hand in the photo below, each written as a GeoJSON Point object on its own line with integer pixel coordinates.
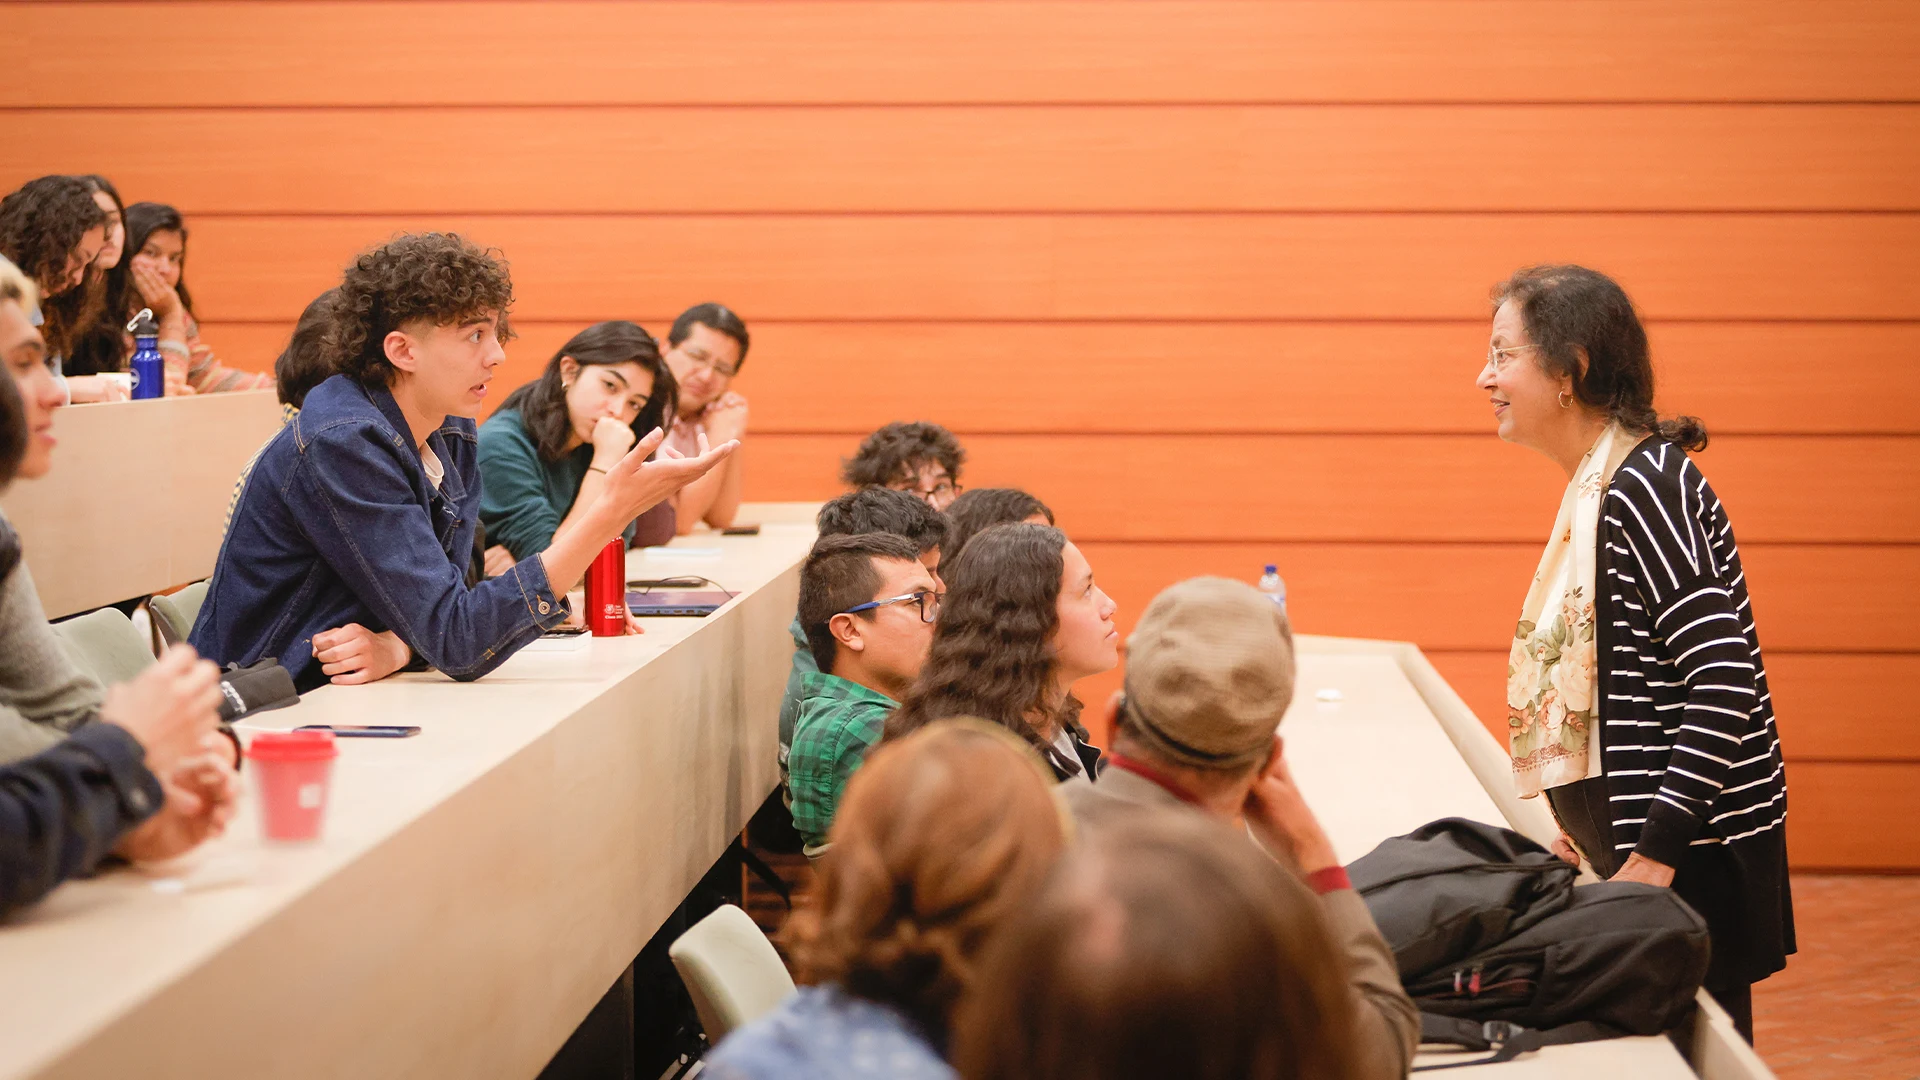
{"type": "Point", "coordinates": [611, 441]}
{"type": "Point", "coordinates": [162, 298]}
{"type": "Point", "coordinates": [352, 654]}
{"type": "Point", "coordinates": [1563, 847]}
{"type": "Point", "coordinates": [1645, 871]}
{"type": "Point", "coordinates": [171, 707]}
{"type": "Point", "coordinates": [498, 560]}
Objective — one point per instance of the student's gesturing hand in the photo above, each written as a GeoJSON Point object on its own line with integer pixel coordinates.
{"type": "Point", "coordinates": [170, 707]}
{"type": "Point", "coordinates": [352, 654]}
{"type": "Point", "coordinates": [635, 485]}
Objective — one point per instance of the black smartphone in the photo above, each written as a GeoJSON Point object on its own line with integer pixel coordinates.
{"type": "Point", "coordinates": [566, 631]}
{"type": "Point", "coordinates": [364, 731]}
{"type": "Point", "coordinates": [741, 530]}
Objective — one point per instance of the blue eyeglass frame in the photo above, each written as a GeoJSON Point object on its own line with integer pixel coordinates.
{"type": "Point", "coordinates": [926, 615]}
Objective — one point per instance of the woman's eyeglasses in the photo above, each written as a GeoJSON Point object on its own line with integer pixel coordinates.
{"type": "Point", "coordinates": [928, 600]}
{"type": "Point", "coordinates": [1497, 358]}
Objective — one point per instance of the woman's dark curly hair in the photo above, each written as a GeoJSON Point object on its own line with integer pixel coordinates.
{"type": "Point", "coordinates": [42, 223]}
{"type": "Point", "coordinates": [896, 452]}
{"type": "Point", "coordinates": [87, 326]}
{"type": "Point", "coordinates": [542, 403]}
{"type": "Point", "coordinates": [992, 654]}
{"type": "Point", "coordinates": [437, 276]}
{"type": "Point", "coordinates": [1568, 308]}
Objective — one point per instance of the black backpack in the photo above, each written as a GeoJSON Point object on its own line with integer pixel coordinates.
{"type": "Point", "coordinates": [1498, 948]}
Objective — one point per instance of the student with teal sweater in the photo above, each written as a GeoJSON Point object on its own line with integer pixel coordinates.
{"type": "Point", "coordinates": [544, 453]}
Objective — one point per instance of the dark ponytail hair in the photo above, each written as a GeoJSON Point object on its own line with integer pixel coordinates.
{"type": "Point", "coordinates": [543, 402]}
{"type": "Point", "coordinates": [1568, 308]}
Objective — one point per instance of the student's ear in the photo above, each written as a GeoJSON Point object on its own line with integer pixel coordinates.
{"type": "Point", "coordinates": [846, 630]}
{"type": "Point", "coordinates": [569, 370]}
{"type": "Point", "coordinates": [399, 349]}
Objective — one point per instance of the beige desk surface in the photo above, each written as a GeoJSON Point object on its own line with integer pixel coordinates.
{"type": "Point", "coordinates": [1380, 761]}
{"type": "Point", "coordinates": [478, 887]}
{"type": "Point", "coordinates": [137, 498]}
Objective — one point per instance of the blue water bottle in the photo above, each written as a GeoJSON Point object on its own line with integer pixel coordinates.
{"type": "Point", "coordinates": [149, 369]}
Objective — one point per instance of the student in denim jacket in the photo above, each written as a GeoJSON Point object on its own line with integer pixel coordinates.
{"type": "Point", "coordinates": [348, 551]}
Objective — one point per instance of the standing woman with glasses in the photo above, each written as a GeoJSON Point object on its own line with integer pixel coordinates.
{"type": "Point", "coordinates": [705, 350]}
{"type": "Point", "coordinates": [1637, 700]}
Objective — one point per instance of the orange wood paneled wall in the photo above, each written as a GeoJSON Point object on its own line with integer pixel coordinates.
{"type": "Point", "coordinates": [1210, 278]}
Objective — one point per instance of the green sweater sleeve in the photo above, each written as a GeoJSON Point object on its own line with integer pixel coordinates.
{"type": "Point", "coordinates": [514, 507]}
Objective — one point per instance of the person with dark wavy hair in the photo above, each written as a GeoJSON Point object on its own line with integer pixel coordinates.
{"type": "Point", "coordinates": [942, 837]}
{"type": "Point", "coordinates": [984, 507]}
{"type": "Point", "coordinates": [157, 266]}
{"type": "Point", "coordinates": [52, 229]}
{"type": "Point", "coordinates": [1636, 693]}
{"type": "Point", "coordinates": [89, 321]}
{"type": "Point", "coordinates": [348, 552]}
{"type": "Point", "coordinates": [1022, 622]}
{"type": "Point", "coordinates": [544, 454]}
{"type": "Point", "coordinates": [919, 458]}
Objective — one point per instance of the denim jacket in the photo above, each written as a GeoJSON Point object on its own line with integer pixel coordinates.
{"type": "Point", "coordinates": [338, 524]}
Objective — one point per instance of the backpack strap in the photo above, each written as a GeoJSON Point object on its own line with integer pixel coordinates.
{"type": "Point", "coordinates": [1507, 1041]}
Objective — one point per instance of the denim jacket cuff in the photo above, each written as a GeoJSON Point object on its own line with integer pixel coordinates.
{"type": "Point", "coordinates": [548, 610]}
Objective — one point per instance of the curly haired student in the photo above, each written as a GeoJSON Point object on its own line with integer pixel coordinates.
{"type": "Point", "coordinates": [347, 554]}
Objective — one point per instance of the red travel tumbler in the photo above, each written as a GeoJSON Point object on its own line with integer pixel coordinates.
{"type": "Point", "coordinates": [607, 591]}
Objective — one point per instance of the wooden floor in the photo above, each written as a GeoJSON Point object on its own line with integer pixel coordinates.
{"type": "Point", "coordinates": [1848, 1005]}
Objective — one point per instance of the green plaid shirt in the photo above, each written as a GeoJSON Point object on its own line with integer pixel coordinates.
{"type": "Point", "coordinates": [838, 721]}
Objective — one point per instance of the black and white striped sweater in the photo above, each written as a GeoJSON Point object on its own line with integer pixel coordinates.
{"type": "Point", "coordinates": [1688, 741]}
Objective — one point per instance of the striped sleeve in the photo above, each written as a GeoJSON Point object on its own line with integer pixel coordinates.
{"type": "Point", "coordinates": [1664, 514]}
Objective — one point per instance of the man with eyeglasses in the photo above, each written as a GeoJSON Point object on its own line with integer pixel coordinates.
{"type": "Point", "coordinates": [919, 458]}
{"type": "Point", "coordinates": [868, 606]}
{"type": "Point", "coordinates": [705, 350]}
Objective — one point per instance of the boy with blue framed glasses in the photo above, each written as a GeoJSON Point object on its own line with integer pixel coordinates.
{"type": "Point", "coordinates": [868, 604]}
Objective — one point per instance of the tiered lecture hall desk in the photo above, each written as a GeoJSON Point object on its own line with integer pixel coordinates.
{"type": "Point", "coordinates": [480, 886]}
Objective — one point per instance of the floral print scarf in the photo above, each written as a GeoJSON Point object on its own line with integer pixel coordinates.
{"type": "Point", "coordinates": [1551, 683]}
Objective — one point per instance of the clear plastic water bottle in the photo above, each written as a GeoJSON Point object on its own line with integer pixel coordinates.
{"type": "Point", "coordinates": [148, 367]}
{"type": "Point", "coordinates": [1275, 588]}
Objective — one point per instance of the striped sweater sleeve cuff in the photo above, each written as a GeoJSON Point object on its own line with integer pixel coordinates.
{"type": "Point", "coordinates": [1665, 836]}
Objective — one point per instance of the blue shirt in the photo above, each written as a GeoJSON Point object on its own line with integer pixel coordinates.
{"type": "Point", "coordinates": [338, 524]}
{"type": "Point", "coordinates": [825, 1033]}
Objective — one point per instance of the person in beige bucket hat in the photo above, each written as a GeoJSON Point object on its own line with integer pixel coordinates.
{"type": "Point", "coordinates": [1209, 676]}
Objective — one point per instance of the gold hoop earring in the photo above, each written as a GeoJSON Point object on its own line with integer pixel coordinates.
{"type": "Point", "coordinates": [1566, 400]}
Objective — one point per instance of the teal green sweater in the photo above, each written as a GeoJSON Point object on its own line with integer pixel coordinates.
{"type": "Point", "coordinates": [523, 499]}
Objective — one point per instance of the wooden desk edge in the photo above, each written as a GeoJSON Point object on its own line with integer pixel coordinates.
{"type": "Point", "coordinates": [1718, 1052]}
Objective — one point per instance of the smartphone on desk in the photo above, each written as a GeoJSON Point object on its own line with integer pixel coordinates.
{"type": "Point", "coordinates": [364, 731]}
{"type": "Point", "coordinates": [741, 530]}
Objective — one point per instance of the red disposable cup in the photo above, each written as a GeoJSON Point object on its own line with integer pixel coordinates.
{"type": "Point", "coordinates": [607, 591]}
{"type": "Point", "coordinates": [291, 771]}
